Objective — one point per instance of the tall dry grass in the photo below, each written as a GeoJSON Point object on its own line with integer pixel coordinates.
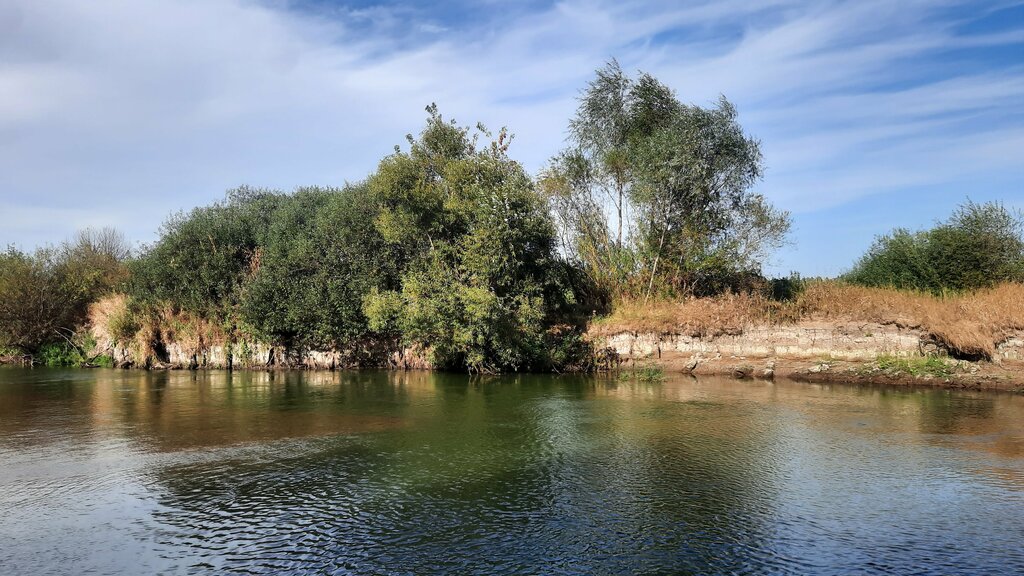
{"type": "Point", "coordinates": [969, 324]}
{"type": "Point", "coordinates": [697, 317]}
{"type": "Point", "coordinates": [113, 320]}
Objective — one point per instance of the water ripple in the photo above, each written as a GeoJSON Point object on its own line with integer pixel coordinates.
{"type": "Point", "coordinates": [399, 474]}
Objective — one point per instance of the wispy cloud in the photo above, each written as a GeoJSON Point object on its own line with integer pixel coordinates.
{"type": "Point", "coordinates": [119, 112]}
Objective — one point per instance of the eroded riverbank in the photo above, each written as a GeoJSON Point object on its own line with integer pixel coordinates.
{"type": "Point", "coordinates": [823, 352]}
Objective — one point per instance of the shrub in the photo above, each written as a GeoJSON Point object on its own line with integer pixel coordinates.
{"type": "Point", "coordinates": [322, 256]}
{"type": "Point", "coordinates": [59, 354]}
{"type": "Point", "coordinates": [203, 257]}
{"type": "Point", "coordinates": [481, 250]}
{"type": "Point", "coordinates": [980, 245]}
{"type": "Point", "coordinates": [39, 299]}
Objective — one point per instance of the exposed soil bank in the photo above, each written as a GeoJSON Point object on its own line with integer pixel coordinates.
{"type": "Point", "coordinates": [822, 352]}
{"type": "Point", "coordinates": [812, 351]}
{"type": "Point", "coordinates": [172, 354]}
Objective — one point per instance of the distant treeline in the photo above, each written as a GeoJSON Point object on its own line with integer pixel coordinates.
{"type": "Point", "coordinates": [450, 246]}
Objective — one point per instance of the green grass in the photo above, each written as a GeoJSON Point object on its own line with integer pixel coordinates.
{"type": "Point", "coordinates": [648, 374]}
{"type": "Point", "coordinates": [917, 365]}
{"type": "Point", "coordinates": [59, 354]}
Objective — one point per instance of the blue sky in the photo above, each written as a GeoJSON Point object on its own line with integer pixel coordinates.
{"type": "Point", "coordinates": [872, 114]}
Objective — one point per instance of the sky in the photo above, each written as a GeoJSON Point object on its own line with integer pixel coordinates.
{"type": "Point", "coordinates": [872, 114]}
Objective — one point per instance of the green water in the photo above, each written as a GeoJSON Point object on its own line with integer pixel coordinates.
{"type": "Point", "coordinates": [130, 472]}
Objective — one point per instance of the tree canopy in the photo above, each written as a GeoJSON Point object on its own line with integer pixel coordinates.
{"type": "Point", "coordinates": [481, 250]}
{"type": "Point", "coordinates": [654, 195]}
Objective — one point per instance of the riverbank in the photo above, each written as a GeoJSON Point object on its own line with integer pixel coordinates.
{"type": "Point", "coordinates": [865, 353]}
{"type": "Point", "coordinates": [916, 371]}
{"type": "Point", "coordinates": [820, 351]}
{"type": "Point", "coordinates": [830, 332]}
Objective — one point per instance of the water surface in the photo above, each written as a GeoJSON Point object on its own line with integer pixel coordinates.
{"type": "Point", "coordinates": [128, 472]}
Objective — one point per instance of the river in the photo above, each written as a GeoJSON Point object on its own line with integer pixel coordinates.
{"type": "Point", "coordinates": [132, 472]}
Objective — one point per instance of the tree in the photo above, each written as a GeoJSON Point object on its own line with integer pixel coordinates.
{"type": "Point", "coordinates": [480, 246]}
{"type": "Point", "coordinates": [44, 295]}
{"type": "Point", "coordinates": [652, 193]}
{"type": "Point", "coordinates": [97, 260]}
{"type": "Point", "coordinates": [204, 257]}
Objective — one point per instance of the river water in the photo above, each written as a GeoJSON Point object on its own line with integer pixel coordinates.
{"type": "Point", "coordinates": [130, 472]}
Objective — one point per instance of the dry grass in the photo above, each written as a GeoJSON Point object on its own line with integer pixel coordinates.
{"type": "Point", "coordinates": [726, 314]}
{"type": "Point", "coordinates": [101, 314]}
{"type": "Point", "coordinates": [969, 324]}
{"type": "Point", "coordinates": [111, 320]}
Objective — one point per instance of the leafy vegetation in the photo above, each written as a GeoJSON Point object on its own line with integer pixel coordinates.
{"type": "Point", "coordinates": [645, 374]}
{"type": "Point", "coordinates": [653, 196]}
{"type": "Point", "coordinates": [646, 222]}
{"type": "Point", "coordinates": [481, 285]}
{"type": "Point", "coordinates": [44, 295]}
{"type": "Point", "coordinates": [980, 245]}
{"type": "Point", "coordinates": [917, 366]}
{"type": "Point", "coordinates": [322, 255]}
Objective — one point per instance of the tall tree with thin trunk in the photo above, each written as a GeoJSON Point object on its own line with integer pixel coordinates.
{"type": "Point", "coordinates": [654, 194]}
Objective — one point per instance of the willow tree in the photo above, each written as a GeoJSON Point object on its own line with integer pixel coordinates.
{"type": "Point", "coordinates": [656, 195]}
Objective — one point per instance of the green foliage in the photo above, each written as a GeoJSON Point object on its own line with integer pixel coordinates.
{"type": "Point", "coordinates": [322, 255]}
{"type": "Point", "coordinates": [980, 245]}
{"type": "Point", "coordinates": [204, 257]}
{"type": "Point", "coordinates": [917, 365]}
{"type": "Point", "coordinates": [44, 295]}
{"type": "Point", "coordinates": [786, 289]}
{"type": "Point", "coordinates": [69, 353]}
{"type": "Point", "coordinates": [125, 323]}
{"type": "Point", "coordinates": [654, 195]}
{"type": "Point", "coordinates": [568, 350]}
{"type": "Point", "coordinates": [481, 252]}
{"type": "Point", "coordinates": [646, 374]}
{"type": "Point", "coordinates": [59, 354]}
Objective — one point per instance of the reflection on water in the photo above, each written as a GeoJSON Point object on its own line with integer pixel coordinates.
{"type": "Point", "coordinates": [373, 472]}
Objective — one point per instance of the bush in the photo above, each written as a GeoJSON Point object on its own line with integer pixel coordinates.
{"type": "Point", "coordinates": [40, 299]}
{"type": "Point", "coordinates": [59, 354]}
{"type": "Point", "coordinates": [322, 256]}
{"type": "Point", "coordinates": [980, 245]}
{"type": "Point", "coordinates": [481, 248]}
{"type": "Point", "coordinates": [204, 256]}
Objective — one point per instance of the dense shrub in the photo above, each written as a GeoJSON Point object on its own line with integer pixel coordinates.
{"type": "Point", "coordinates": [203, 257]}
{"type": "Point", "coordinates": [44, 295]}
{"type": "Point", "coordinates": [481, 246]}
{"type": "Point", "coordinates": [322, 255]}
{"type": "Point", "coordinates": [980, 245]}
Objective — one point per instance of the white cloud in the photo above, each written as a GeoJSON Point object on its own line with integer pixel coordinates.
{"type": "Point", "coordinates": [120, 112]}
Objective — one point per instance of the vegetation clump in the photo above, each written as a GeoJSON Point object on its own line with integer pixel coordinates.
{"type": "Point", "coordinates": [45, 294]}
{"type": "Point", "coordinates": [917, 366]}
{"type": "Point", "coordinates": [645, 374]}
{"type": "Point", "coordinates": [979, 246]}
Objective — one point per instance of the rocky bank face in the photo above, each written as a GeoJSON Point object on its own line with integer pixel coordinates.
{"type": "Point", "coordinates": [850, 342]}
{"type": "Point", "coordinates": [261, 356]}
